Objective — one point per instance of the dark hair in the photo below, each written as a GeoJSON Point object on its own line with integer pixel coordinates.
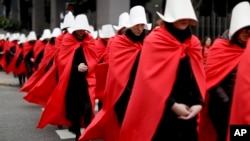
{"type": "Point", "coordinates": [180, 35]}
{"type": "Point", "coordinates": [234, 39]}
{"type": "Point", "coordinates": [204, 41]}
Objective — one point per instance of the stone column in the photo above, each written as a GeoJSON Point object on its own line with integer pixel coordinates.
{"type": "Point", "coordinates": [108, 11]}
{"type": "Point", "coordinates": [15, 10]}
{"type": "Point", "coordinates": [38, 16]}
{"type": "Point", "coordinates": [57, 6]}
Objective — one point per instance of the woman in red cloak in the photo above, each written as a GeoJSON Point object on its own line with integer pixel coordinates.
{"type": "Point", "coordinates": [221, 71]}
{"type": "Point", "coordinates": [105, 35]}
{"type": "Point", "coordinates": [35, 93]}
{"type": "Point", "coordinates": [123, 61]}
{"type": "Point", "coordinates": [72, 101]}
{"type": "Point", "coordinates": [170, 82]}
{"type": "Point", "coordinates": [240, 109]}
{"type": "Point", "coordinates": [12, 47]}
{"type": "Point", "coordinates": [39, 48]}
{"type": "Point", "coordinates": [18, 63]}
{"type": "Point", "coordinates": [41, 87]}
{"type": "Point", "coordinates": [28, 53]}
{"type": "Point", "coordinates": [205, 48]}
{"type": "Point", "coordinates": [2, 40]}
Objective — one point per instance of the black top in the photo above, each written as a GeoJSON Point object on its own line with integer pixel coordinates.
{"type": "Point", "coordinates": [185, 89]}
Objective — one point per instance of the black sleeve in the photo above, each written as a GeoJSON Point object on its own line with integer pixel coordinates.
{"type": "Point", "coordinates": [170, 102]}
{"type": "Point", "coordinates": [39, 59]}
{"type": "Point", "coordinates": [12, 50]}
{"type": "Point", "coordinates": [196, 98]}
{"type": "Point", "coordinates": [28, 56]}
{"type": "Point", "coordinates": [78, 58]}
{"type": "Point", "coordinates": [220, 93]}
{"type": "Point", "coordinates": [49, 65]}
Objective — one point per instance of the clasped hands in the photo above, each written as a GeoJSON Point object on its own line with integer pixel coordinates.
{"type": "Point", "coordinates": [184, 112]}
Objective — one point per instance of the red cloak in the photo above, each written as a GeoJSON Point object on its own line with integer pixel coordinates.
{"type": "Point", "coordinates": [222, 59]}
{"type": "Point", "coordinates": [27, 47]}
{"type": "Point", "coordinates": [11, 67]}
{"type": "Point", "coordinates": [240, 109]}
{"type": "Point", "coordinates": [39, 46]}
{"type": "Point", "coordinates": [100, 48]}
{"type": "Point", "coordinates": [54, 112]}
{"type": "Point", "coordinates": [2, 42]}
{"type": "Point", "coordinates": [50, 52]}
{"type": "Point", "coordinates": [21, 69]}
{"type": "Point", "coordinates": [122, 57]}
{"type": "Point", "coordinates": [101, 71]}
{"type": "Point", "coordinates": [106, 53]}
{"type": "Point", "coordinates": [155, 78]}
{"type": "Point", "coordinates": [42, 83]}
{"type": "Point", "coordinates": [58, 46]}
{"type": "Point", "coordinates": [5, 50]}
{"type": "Point", "coordinates": [43, 88]}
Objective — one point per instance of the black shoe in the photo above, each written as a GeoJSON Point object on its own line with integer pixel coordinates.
{"type": "Point", "coordinates": [59, 126]}
{"type": "Point", "coordinates": [71, 129]}
{"type": "Point", "coordinates": [77, 137]}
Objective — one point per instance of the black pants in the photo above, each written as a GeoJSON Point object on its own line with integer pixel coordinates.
{"type": "Point", "coordinates": [170, 128]}
{"type": "Point", "coordinates": [121, 105]}
{"type": "Point", "coordinates": [76, 127]}
{"type": "Point", "coordinates": [219, 113]}
{"type": "Point", "coordinates": [21, 79]}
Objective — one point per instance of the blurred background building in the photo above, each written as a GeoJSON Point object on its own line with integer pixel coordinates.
{"type": "Point", "coordinates": [26, 15]}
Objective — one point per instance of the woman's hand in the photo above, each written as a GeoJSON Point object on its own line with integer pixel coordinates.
{"type": "Point", "coordinates": [82, 67]}
{"type": "Point", "coordinates": [194, 110]}
{"type": "Point", "coordinates": [180, 109]}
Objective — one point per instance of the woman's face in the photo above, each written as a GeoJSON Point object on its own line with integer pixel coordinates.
{"type": "Point", "coordinates": [137, 29]}
{"type": "Point", "coordinates": [181, 24]}
{"type": "Point", "coordinates": [122, 30]}
{"type": "Point", "coordinates": [80, 33]}
{"type": "Point", "coordinates": [243, 35]}
{"type": "Point", "coordinates": [208, 42]}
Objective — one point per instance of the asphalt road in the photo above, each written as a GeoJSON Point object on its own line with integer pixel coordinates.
{"type": "Point", "coordinates": [18, 119]}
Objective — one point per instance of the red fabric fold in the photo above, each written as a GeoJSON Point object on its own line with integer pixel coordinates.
{"type": "Point", "coordinates": [27, 47]}
{"type": "Point", "coordinates": [5, 50]}
{"type": "Point", "coordinates": [11, 66]}
{"type": "Point", "coordinates": [38, 47]}
{"type": "Point", "coordinates": [43, 88]}
{"type": "Point", "coordinates": [41, 84]}
{"type": "Point", "coordinates": [100, 48]}
{"type": "Point", "coordinates": [101, 76]}
{"type": "Point", "coordinates": [2, 58]}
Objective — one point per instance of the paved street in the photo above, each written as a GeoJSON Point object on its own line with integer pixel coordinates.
{"type": "Point", "coordinates": [18, 119]}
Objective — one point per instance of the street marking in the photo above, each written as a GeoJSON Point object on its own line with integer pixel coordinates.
{"type": "Point", "coordinates": [66, 134]}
